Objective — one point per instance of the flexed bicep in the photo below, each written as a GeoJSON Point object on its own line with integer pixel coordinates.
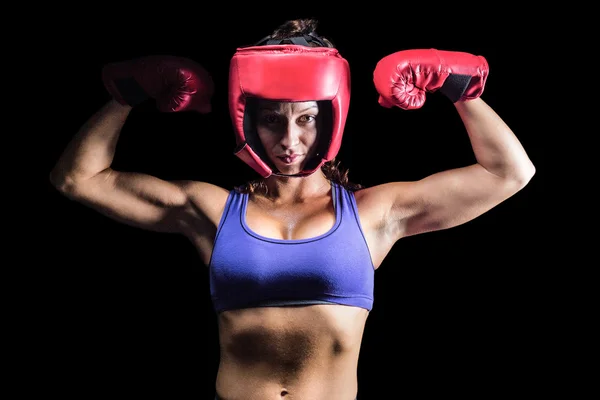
{"type": "Point", "coordinates": [450, 198]}
{"type": "Point", "coordinates": [135, 199]}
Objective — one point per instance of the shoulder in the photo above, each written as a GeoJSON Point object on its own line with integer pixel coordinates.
{"type": "Point", "coordinates": [207, 198]}
{"type": "Point", "coordinates": [381, 194]}
{"type": "Point", "coordinates": [380, 202]}
{"type": "Point", "coordinates": [191, 187]}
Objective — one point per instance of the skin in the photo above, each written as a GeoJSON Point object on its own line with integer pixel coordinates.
{"type": "Point", "coordinates": [305, 352]}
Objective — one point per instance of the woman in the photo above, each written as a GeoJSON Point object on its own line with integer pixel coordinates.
{"type": "Point", "coordinates": [292, 255]}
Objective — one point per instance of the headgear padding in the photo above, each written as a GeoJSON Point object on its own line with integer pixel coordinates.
{"type": "Point", "coordinates": [287, 73]}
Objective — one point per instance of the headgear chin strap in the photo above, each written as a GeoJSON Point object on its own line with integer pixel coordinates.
{"type": "Point", "coordinates": [287, 72]}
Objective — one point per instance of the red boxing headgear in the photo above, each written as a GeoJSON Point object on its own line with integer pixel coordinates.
{"type": "Point", "coordinates": [287, 73]}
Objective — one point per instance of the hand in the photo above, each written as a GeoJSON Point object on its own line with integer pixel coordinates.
{"type": "Point", "coordinates": [175, 83]}
{"type": "Point", "coordinates": [403, 79]}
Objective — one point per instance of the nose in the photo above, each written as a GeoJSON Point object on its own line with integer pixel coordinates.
{"type": "Point", "coordinates": [290, 136]}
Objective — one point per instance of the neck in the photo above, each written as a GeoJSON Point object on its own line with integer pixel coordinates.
{"type": "Point", "coordinates": [296, 189]}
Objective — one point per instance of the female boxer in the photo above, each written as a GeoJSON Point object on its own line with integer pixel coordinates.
{"type": "Point", "coordinates": [292, 255]}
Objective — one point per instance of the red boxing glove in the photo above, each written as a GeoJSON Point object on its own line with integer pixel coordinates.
{"type": "Point", "coordinates": [175, 83]}
{"type": "Point", "coordinates": [404, 78]}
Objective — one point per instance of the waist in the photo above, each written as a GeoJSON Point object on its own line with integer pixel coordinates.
{"type": "Point", "coordinates": [279, 397]}
{"type": "Point", "coordinates": [323, 383]}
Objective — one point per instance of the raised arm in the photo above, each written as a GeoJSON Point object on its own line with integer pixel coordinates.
{"type": "Point", "coordinates": [453, 197]}
{"type": "Point", "coordinates": [83, 172]}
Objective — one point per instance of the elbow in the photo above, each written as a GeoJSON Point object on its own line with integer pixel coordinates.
{"type": "Point", "coordinates": [57, 180]}
{"type": "Point", "coordinates": [522, 176]}
{"type": "Point", "coordinates": [526, 173]}
{"type": "Point", "coordinates": [62, 182]}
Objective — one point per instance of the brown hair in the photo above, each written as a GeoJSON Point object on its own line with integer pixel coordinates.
{"type": "Point", "coordinates": [299, 27]}
{"type": "Point", "coordinates": [332, 169]}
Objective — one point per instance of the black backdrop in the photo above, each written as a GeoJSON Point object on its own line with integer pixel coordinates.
{"type": "Point", "coordinates": [128, 311]}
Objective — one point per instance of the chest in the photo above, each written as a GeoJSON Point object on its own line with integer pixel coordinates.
{"type": "Point", "coordinates": [298, 221]}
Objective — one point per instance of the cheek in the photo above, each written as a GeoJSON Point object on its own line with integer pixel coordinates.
{"type": "Point", "coordinates": [265, 137]}
{"type": "Point", "coordinates": [311, 139]}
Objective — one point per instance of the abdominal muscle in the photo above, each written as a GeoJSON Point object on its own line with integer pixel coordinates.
{"type": "Point", "coordinates": [290, 353]}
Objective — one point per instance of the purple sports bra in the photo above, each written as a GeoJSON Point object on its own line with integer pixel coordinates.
{"type": "Point", "coordinates": [250, 270]}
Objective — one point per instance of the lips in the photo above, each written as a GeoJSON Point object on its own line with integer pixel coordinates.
{"type": "Point", "coordinates": [288, 159]}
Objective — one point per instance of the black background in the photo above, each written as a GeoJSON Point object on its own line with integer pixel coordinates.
{"type": "Point", "coordinates": [456, 312]}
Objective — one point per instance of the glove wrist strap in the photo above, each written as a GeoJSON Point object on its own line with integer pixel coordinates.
{"type": "Point", "coordinates": [131, 92]}
{"type": "Point", "coordinates": [454, 86]}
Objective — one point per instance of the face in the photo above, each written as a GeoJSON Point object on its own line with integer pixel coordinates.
{"type": "Point", "coordinates": [288, 132]}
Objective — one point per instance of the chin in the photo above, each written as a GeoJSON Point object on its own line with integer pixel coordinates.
{"type": "Point", "coordinates": [287, 170]}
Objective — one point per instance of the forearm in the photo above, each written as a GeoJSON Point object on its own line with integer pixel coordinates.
{"type": "Point", "coordinates": [92, 149]}
{"type": "Point", "coordinates": [495, 146]}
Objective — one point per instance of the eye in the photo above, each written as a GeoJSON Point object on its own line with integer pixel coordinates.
{"type": "Point", "coordinates": [305, 119]}
{"type": "Point", "coordinates": [269, 119]}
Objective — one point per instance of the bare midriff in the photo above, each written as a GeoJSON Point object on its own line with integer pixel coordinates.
{"type": "Point", "coordinates": [290, 353]}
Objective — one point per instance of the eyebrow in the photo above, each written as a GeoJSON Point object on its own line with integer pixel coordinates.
{"type": "Point", "coordinates": [274, 109]}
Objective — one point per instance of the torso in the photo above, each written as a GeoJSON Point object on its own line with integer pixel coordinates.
{"type": "Point", "coordinates": [294, 352]}
{"type": "Point", "coordinates": [291, 353]}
